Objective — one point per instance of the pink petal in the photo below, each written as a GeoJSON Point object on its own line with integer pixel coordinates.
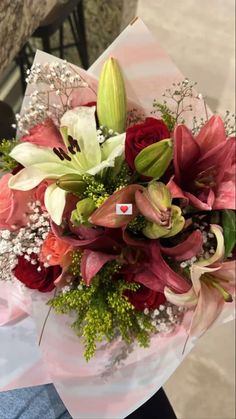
{"type": "Point", "coordinates": [209, 307]}
{"type": "Point", "coordinates": [218, 159]}
{"type": "Point", "coordinates": [211, 134]}
{"type": "Point", "coordinates": [150, 280]}
{"type": "Point", "coordinates": [176, 191]}
{"type": "Point", "coordinates": [92, 262]}
{"type": "Point", "coordinates": [197, 203]}
{"type": "Point", "coordinates": [45, 134]}
{"type": "Point", "coordinates": [186, 151]}
{"type": "Point", "coordinates": [187, 249]}
{"type": "Point", "coordinates": [106, 215]}
{"type": "Point", "coordinates": [164, 274]}
{"type": "Point", "coordinates": [145, 207]}
{"type": "Point", "coordinates": [225, 196]}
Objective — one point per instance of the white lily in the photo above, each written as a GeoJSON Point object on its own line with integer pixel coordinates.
{"type": "Point", "coordinates": [85, 155]}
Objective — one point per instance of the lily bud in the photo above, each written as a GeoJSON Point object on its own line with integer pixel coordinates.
{"type": "Point", "coordinates": [164, 219]}
{"type": "Point", "coordinates": [177, 221]}
{"type": "Point", "coordinates": [160, 195]}
{"type": "Point", "coordinates": [111, 97]}
{"type": "Point", "coordinates": [81, 214]}
{"type": "Point", "coordinates": [153, 160]}
{"type": "Point", "coordinates": [71, 183]}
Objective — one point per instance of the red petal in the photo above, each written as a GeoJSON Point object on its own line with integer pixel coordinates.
{"type": "Point", "coordinates": [157, 274]}
{"type": "Point", "coordinates": [211, 134]}
{"type": "Point", "coordinates": [92, 262]}
{"type": "Point", "coordinates": [186, 151]}
{"type": "Point", "coordinates": [186, 250]}
{"type": "Point", "coordinates": [106, 215]}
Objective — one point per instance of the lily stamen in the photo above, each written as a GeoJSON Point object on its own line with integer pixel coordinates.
{"type": "Point", "coordinates": [226, 295]}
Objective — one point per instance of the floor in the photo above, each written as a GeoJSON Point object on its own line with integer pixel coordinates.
{"type": "Point", "coordinates": [199, 36]}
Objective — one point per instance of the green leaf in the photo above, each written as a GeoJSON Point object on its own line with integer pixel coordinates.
{"type": "Point", "coordinates": [228, 223]}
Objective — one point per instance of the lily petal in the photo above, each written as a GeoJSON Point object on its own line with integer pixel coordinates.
{"type": "Point", "coordinates": [211, 134]}
{"type": "Point", "coordinates": [110, 159]}
{"type": "Point", "coordinates": [31, 176]}
{"type": "Point", "coordinates": [145, 206]}
{"type": "Point", "coordinates": [92, 262]}
{"type": "Point", "coordinates": [187, 249]}
{"type": "Point", "coordinates": [225, 196]}
{"type": "Point", "coordinates": [220, 249]}
{"type": "Point", "coordinates": [55, 200]}
{"type": "Point", "coordinates": [111, 144]}
{"type": "Point", "coordinates": [210, 305]}
{"type": "Point", "coordinates": [187, 299]}
{"type": "Point", "coordinates": [81, 125]}
{"type": "Point", "coordinates": [197, 203]}
{"type": "Point", "coordinates": [28, 154]}
{"type": "Point", "coordinates": [186, 150]}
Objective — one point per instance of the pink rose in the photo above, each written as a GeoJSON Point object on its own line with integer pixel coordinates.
{"type": "Point", "coordinates": [45, 134]}
{"type": "Point", "coordinates": [54, 250]}
{"type": "Point", "coordinates": [14, 210]}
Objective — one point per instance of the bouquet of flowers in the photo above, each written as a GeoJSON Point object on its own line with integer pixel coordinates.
{"type": "Point", "coordinates": [126, 217]}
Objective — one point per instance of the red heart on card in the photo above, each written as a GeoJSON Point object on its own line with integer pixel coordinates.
{"type": "Point", "coordinates": [124, 208]}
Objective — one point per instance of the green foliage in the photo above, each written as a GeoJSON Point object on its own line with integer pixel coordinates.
{"type": "Point", "coordinates": [102, 310]}
{"type": "Point", "coordinates": [7, 163]}
{"type": "Point", "coordinates": [229, 228]}
{"type": "Point", "coordinates": [137, 224]}
{"type": "Point", "coordinates": [166, 114]}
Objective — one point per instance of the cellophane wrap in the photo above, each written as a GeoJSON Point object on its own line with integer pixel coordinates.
{"type": "Point", "coordinates": [39, 346]}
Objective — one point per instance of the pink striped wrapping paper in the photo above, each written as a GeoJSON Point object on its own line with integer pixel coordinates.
{"type": "Point", "coordinates": [100, 389]}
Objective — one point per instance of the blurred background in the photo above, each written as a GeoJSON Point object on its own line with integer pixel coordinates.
{"type": "Point", "coordinates": [199, 36]}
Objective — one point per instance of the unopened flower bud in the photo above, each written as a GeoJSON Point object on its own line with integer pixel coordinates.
{"type": "Point", "coordinates": [111, 98]}
{"type": "Point", "coordinates": [71, 183]}
{"type": "Point", "coordinates": [81, 214]}
{"type": "Point", "coordinates": [153, 160]}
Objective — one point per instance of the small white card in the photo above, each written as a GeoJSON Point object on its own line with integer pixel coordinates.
{"type": "Point", "coordinates": [124, 209]}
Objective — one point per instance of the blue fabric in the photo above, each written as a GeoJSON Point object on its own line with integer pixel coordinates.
{"type": "Point", "coordinates": [40, 402]}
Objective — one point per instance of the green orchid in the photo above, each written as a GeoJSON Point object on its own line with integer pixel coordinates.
{"type": "Point", "coordinates": [82, 154]}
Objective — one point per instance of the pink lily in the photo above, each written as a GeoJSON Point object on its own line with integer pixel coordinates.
{"type": "Point", "coordinates": [213, 284]}
{"type": "Point", "coordinates": [204, 166]}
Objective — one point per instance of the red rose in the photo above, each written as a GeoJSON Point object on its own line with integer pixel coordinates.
{"type": "Point", "coordinates": [142, 135]}
{"type": "Point", "coordinates": [145, 298]}
{"type": "Point", "coordinates": [29, 275]}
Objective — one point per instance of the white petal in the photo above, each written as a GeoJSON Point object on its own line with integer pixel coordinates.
{"type": "Point", "coordinates": [55, 200]}
{"type": "Point", "coordinates": [111, 144]}
{"type": "Point", "coordinates": [81, 124]}
{"type": "Point", "coordinates": [187, 299]}
{"type": "Point", "coordinates": [28, 178]}
{"type": "Point", "coordinates": [196, 272]}
{"type": "Point", "coordinates": [109, 162]}
{"type": "Point", "coordinates": [28, 154]}
{"type": "Point", "coordinates": [220, 248]}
